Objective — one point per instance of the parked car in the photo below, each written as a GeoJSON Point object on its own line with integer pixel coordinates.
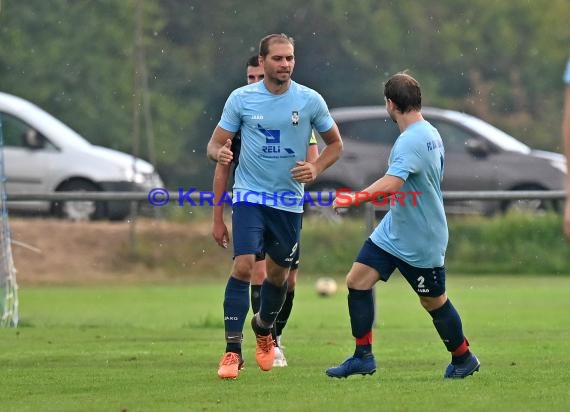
{"type": "Point", "coordinates": [478, 157]}
{"type": "Point", "coordinates": [43, 155]}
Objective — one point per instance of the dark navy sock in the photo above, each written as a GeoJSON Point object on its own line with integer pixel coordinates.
{"type": "Point", "coordinates": [447, 322]}
{"type": "Point", "coordinates": [255, 298]}
{"type": "Point", "coordinates": [272, 298]}
{"type": "Point", "coordinates": [361, 311]}
{"type": "Point", "coordinates": [284, 313]}
{"type": "Point", "coordinates": [236, 306]}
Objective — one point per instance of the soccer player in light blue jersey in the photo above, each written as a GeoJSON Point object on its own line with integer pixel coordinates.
{"type": "Point", "coordinates": [275, 118]}
{"type": "Point", "coordinates": [412, 237]}
{"type": "Point", "coordinates": [566, 145]}
{"type": "Point", "coordinates": [220, 233]}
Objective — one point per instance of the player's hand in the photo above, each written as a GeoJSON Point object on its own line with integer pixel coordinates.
{"type": "Point", "coordinates": [342, 203]}
{"type": "Point", "coordinates": [304, 172]}
{"type": "Point", "coordinates": [225, 155]}
{"type": "Point", "coordinates": [220, 234]}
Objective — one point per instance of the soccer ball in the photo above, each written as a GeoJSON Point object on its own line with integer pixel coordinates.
{"type": "Point", "coordinates": [326, 286]}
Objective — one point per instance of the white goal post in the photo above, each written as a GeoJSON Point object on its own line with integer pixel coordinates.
{"type": "Point", "coordinates": [8, 287]}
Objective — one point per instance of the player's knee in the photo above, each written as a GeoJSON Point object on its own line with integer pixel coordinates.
{"type": "Point", "coordinates": [277, 277]}
{"type": "Point", "coordinates": [292, 280]}
{"type": "Point", "coordinates": [258, 276]}
{"type": "Point", "coordinates": [430, 303]}
{"type": "Point", "coordinates": [355, 281]}
{"type": "Point", "coordinates": [276, 274]}
{"type": "Point", "coordinates": [242, 269]}
{"type": "Point", "coordinates": [349, 280]}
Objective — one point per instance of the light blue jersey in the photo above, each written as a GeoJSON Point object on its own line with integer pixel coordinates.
{"type": "Point", "coordinates": [567, 73]}
{"type": "Point", "coordinates": [415, 229]}
{"type": "Point", "coordinates": [275, 132]}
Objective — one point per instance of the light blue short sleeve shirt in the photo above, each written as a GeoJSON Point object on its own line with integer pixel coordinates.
{"type": "Point", "coordinates": [274, 136]}
{"type": "Point", "coordinates": [415, 228]}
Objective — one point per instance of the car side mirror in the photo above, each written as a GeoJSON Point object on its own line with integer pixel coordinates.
{"type": "Point", "coordinates": [477, 147]}
{"type": "Point", "coordinates": [33, 140]}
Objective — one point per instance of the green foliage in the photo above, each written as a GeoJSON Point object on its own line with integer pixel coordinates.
{"type": "Point", "coordinates": [329, 248]}
{"type": "Point", "coordinates": [502, 61]}
{"type": "Point", "coordinates": [69, 58]}
{"type": "Point", "coordinates": [516, 243]}
{"type": "Point", "coordinates": [156, 348]}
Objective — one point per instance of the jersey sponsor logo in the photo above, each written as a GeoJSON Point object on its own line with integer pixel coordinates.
{"type": "Point", "coordinates": [257, 117]}
{"type": "Point", "coordinates": [272, 145]}
{"type": "Point", "coordinates": [271, 136]}
{"type": "Point", "coordinates": [271, 149]}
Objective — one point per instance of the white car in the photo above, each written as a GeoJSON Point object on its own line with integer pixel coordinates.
{"type": "Point", "coordinates": [43, 155]}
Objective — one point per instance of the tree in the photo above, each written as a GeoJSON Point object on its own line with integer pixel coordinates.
{"type": "Point", "coordinates": [498, 60]}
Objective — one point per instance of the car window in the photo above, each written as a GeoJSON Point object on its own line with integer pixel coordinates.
{"type": "Point", "coordinates": [454, 138]}
{"type": "Point", "coordinates": [13, 130]}
{"type": "Point", "coordinates": [377, 130]}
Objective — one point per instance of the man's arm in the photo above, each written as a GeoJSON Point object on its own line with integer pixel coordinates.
{"type": "Point", "coordinates": [219, 145]}
{"type": "Point", "coordinates": [307, 172]}
{"type": "Point", "coordinates": [313, 150]}
{"type": "Point", "coordinates": [220, 184]}
{"type": "Point", "coordinates": [566, 142]}
{"type": "Point", "coordinates": [383, 187]}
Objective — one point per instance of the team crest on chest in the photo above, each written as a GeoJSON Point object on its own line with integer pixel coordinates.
{"type": "Point", "coordinates": [294, 118]}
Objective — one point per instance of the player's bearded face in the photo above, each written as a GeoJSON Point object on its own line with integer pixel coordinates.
{"type": "Point", "coordinates": [279, 63]}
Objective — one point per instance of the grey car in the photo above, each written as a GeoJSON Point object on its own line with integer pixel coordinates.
{"type": "Point", "coordinates": [478, 157]}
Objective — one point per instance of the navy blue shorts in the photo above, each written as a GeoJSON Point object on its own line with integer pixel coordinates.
{"type": "Point", "coordinates": [294, 264]}
{"type": "Point", "coordinates": [425, 281]}
{"type": "Point", "coordinates": [259, 229]}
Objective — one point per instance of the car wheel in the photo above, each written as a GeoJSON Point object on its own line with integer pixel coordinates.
{"type": "Point", "coordinates": [118, 211]}
{"type": "Point", "coordinates": [537, 206]}
{"type": "Point", "coordinates": [79, 209]}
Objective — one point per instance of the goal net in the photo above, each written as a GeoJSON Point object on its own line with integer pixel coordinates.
{"type": "Point", "coordinates": [8, 286]}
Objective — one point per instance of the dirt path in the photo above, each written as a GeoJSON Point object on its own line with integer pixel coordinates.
{"type": "Point", "coordinates": [50, 251]}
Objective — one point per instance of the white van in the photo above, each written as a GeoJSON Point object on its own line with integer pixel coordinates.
{"type": "Point", "coordinates": [43, 155]}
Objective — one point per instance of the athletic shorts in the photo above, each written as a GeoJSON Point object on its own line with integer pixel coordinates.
{"type": "Point", "coordinates": [294, 264]}
{"type": "Point", "coordinates": [260, 229]}
{"type": "Point", "coordinates": [425, 281]}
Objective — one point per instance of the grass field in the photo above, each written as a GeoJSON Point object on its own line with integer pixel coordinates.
{"type": "Point", "coordinates": [156, 348]}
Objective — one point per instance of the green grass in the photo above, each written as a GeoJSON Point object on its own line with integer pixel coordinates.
{"type": "Point", "coordinates": [156, 348]}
